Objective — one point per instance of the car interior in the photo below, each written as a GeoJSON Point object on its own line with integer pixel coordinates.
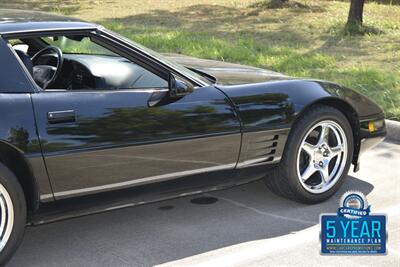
{"type": "Point", "coordinates": [78, 63]}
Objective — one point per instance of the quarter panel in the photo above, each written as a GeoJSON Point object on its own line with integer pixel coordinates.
{"type": "Point", "coordinates": [17, 128]}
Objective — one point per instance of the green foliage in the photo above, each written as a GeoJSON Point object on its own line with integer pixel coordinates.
{"type": "Point", "coordinates": [277, 4]}
{"type": "Point", "coordinates": [84, 46]}
{"type": "Point", "coordinates": [300, 38]}
{"type": "Point", "coordinates": [381, 86]}
{"type": "Point", "coordinates": [358, 29]}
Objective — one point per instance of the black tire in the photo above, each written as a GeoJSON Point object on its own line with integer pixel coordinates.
{"type": "Point", "coordinates": [16, 194]}
{"type": "Point", "coordinates": [283, 180]}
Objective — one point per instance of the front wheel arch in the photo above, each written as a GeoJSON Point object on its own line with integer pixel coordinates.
{"type": "Point", "coordinates": [348, 111]}
{"type": "Point", "coordinates": [284, 179]}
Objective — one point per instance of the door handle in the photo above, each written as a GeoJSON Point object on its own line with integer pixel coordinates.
{"type": "Point", "coordinates": [61, 116]}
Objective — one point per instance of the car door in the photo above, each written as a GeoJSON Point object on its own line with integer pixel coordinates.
{"type": "Point", "coordinates": [98, 140]}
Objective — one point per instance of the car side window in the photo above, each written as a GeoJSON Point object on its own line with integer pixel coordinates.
{"type": "Point", "coordinates": [76, 62]}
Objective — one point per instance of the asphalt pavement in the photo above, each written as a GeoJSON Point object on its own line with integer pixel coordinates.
{"type": "Point", "coordinates": [242, 226]}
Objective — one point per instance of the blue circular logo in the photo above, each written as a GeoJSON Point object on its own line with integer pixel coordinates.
{"type": "Point", "coordinates": [353, 205]}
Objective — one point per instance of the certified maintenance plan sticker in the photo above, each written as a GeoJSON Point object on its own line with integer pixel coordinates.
{"type": "Point", "coordinates": [353, 230]}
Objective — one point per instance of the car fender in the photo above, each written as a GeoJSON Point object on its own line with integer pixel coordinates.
{"type": "Point", "coordinates": [268, 110]}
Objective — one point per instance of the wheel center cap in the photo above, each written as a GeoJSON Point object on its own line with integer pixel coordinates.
{"type": "Point", "coordinates": [318, 156]}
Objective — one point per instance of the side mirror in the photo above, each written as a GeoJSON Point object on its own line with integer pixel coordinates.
{"type": "Point", "coordinates": [179, 87]}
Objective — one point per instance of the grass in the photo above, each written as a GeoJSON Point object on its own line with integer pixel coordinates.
{"type": "Point", "coordinates": [304, 39]}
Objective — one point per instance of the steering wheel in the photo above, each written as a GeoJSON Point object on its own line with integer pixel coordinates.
{"type": "Point", "coordinates": [44, 75]}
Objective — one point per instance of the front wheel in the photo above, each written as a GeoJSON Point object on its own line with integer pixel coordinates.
{"type": "Point", "coordinates": [317, 156]}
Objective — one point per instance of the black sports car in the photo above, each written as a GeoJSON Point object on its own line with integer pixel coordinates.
{"type": "Point", "coordinates": [91, 121]}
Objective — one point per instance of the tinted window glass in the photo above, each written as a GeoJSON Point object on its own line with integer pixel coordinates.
{"type": "Point", "coordinates": [77, 45]}
{"type": "Point", "coordinates": [86, 65]}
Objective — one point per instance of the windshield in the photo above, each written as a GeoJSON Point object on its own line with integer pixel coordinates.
{"type": "Point", "coordinates": [187, 72]}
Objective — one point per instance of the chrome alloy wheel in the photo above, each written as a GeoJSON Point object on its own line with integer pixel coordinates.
{"type": "Point", "coordinates": [322, 157]}
{"type": "Point", "coordinates": [6, 217]}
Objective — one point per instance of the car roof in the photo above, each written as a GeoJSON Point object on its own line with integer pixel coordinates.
{"type": "Point", "coordinates": [16, 21]}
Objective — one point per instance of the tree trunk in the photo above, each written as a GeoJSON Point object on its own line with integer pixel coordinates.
{"type": "Point", "coordinates": [356, 12]}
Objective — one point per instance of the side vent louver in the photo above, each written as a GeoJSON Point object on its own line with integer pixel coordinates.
{"type": "Point", "coordinates": [265, 148]}
{"type": "Point", "coordinates": [261, 150]}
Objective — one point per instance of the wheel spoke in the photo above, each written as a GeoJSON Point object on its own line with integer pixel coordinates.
{"type": "Point", "coordinates": [324, 172]}
{"type": "Point", "coordinates": [309, 148]}
{"type": "Point", "coordinates": [336, 150]}
{"type": "Point", "coordinates": [310, 170]}
{"type": "Point", "coordinates": [323, 153]}
{"type": "Point", "coordinates": [323, 136]}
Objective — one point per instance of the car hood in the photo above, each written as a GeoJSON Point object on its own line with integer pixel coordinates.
{"type": "Point", "coordinates": [228, 73]}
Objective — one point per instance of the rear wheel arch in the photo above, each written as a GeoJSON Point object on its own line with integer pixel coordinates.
{"type": "Point", "coordinates": [15, 161]}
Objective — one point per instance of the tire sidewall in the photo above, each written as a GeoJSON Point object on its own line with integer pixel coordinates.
{"type": "Point", "coordinates": [11, 184]}
{"type": "Point", "coordinates": [304, 125]}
